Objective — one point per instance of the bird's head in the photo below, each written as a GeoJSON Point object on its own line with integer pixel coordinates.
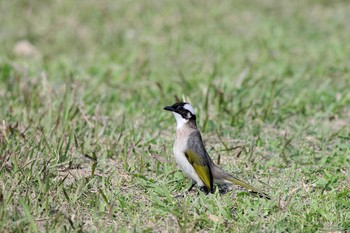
{"type": "Point", "coordinates": [183, 113]}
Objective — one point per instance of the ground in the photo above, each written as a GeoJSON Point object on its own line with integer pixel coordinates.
{"type": "Point", "coordinates": [85, 144]}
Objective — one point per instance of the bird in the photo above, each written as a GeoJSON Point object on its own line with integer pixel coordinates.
{"type": "Point", "coordinates": [192, 157]}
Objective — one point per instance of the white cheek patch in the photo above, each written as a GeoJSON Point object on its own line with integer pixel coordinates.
{"type": "Point", "coordinates": [189, 108]}
{"type": "Point", "coordinates": [180, 121]}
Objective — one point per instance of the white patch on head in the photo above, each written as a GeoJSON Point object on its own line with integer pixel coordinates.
{"type": "Point", "coordinates": [180, 121]}
{"type": "Point", "coordinates": [189, 108]}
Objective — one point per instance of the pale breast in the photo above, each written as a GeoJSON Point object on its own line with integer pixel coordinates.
{"type": "Point", "coordinates": [180, 146]}
{"type": "Point", "coordinates": [180, 143]}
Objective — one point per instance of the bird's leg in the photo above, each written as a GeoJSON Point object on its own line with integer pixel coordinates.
{"type": "Point", "coordinates": [188, 190]}
{"type": "Point", "coordinates": [192, 185]}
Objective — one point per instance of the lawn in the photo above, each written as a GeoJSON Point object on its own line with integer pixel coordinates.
{"type": "Point", "coordinates": [85, 145]}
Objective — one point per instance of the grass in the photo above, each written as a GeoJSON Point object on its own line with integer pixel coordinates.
{"type": "Point", "coordinates": [86, 146]}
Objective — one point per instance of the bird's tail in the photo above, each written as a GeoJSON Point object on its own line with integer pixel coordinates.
{"type": "Point", "coordinates": [223, 177]}
{"type": "Point", "coordinates": [236, 181]}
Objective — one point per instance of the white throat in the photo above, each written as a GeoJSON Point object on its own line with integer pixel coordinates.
{"type": "Point", "coordinates": [180, 121]}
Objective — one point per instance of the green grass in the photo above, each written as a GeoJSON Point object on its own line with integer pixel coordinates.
{"type": "Point", "coordinates": [86, 146]}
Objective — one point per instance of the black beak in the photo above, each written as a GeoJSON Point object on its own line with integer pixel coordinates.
{"type": "Point", "coordinates": [168, 108]}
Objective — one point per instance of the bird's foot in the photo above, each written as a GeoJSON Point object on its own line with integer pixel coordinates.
{"type": "Point", "coordinates": [204, 189]}
{"type": "Point", "coordinates": [186, 192]}
{"type": "Point", "coordinates": [182, 195]}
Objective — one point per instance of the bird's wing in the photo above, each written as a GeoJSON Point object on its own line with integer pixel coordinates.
{"type": "Point", "coordinates": [199, 159]}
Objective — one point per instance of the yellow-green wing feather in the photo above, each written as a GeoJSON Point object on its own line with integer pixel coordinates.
{"type": "Point", "coordinates": [202, 170]}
